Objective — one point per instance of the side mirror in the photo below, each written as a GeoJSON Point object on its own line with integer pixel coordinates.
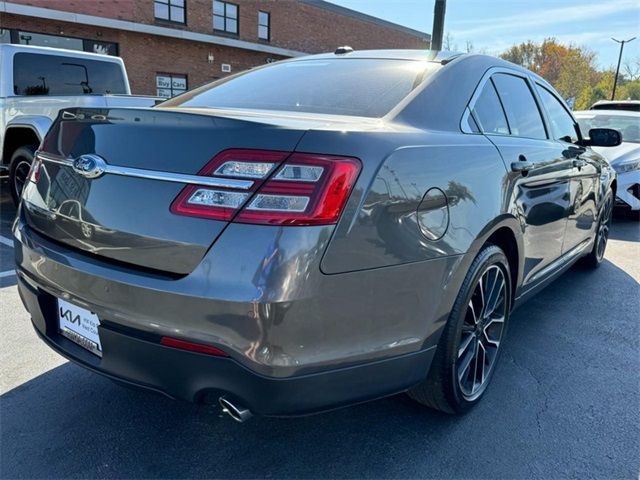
{"type": "Point", "coordinates": [604, 137]}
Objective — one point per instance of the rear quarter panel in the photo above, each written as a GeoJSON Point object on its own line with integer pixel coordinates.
{"type": "Point", "coordinates": [381, 228]}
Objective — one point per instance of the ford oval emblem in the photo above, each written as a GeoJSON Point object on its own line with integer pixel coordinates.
{"type": "Point", "coordinates": [89, 166]}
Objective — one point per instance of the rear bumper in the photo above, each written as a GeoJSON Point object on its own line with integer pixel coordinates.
{"type": "Point", "coordinates": [299, 341]}
{"type": "Point", "coordinates": [202, 378]}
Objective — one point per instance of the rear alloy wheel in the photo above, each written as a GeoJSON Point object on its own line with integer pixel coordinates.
{"type": "Point", "coordinates": [471, 341]}
{"type": "Point", "coordinates": [19, 168]}
{"type": "Point", "coordinates": [482, 333]}
{"type": "Point", "coordinates": [596, 256]}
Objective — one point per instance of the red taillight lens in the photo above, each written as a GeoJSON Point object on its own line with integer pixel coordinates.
{"type": "Point", "coordinates": [34, 173]}
{"type": "Point", "coordinates": [306, 189]}
{"type": "Point", "coordinates": [192, 347]}
{"type": "Point", "coordinates": [223, 203]}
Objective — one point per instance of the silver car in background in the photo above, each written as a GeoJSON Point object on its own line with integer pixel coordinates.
{"type": "Point", "coordinates": [625, 158]}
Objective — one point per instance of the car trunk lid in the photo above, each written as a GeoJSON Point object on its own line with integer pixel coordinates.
{"type": "Point", "coordinates": [124, 214]}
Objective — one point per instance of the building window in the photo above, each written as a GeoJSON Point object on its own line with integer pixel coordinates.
{"type": "Point", "coordinates": [58, 41]}
{"type": "Point", "coordinates": [225, 16]}
{"type": "Point", "coordinates": [5, 35]}
{"type": "Point", "coordinates": [170, 84]}
{"type": "Point", "coordinates": [171, 10]}
{"type": "Point", "coordinates": [264, 25]}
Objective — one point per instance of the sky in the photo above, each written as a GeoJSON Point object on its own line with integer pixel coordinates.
{"type": "Point", "coordinates": [494, 25]}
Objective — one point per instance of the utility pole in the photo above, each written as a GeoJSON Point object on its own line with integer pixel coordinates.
{"type": "Point", "coordinates": [438, 24]}
{"type": "Point", "coordinates": [615, 80]}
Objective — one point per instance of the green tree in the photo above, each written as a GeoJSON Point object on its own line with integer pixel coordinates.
{"type": "Point", "coordinates": [632, 90]}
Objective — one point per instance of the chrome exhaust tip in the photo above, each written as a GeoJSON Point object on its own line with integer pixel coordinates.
{"type": "Point", "coordinates": [238, 413]}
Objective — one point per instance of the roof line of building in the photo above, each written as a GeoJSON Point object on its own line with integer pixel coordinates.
{"type": "Point", "coordinates": [62, 16]}
{"type": "Point", "coordinates": [364, 17]}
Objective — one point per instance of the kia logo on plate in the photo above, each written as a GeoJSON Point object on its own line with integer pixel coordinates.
{"type": "Point", "coordinates": [89, 166]}
{"type": "Point", "coordinates": [67, 315]}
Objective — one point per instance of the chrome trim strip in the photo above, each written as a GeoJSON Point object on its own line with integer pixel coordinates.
{"type": "Point", "coordinates": [161, 176]}
{"type": "Point", "coordinates": [562, 261]}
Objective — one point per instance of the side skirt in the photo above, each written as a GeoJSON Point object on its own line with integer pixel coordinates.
{"type": "Point", "coordinates": [552, 271]}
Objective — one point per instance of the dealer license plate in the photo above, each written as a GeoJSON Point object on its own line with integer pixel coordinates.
{"type": "Point", "coordinates": [80, 326]}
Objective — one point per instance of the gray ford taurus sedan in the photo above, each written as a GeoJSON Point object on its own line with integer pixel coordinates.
{"type": "Point", "coordinates": [313, 233]}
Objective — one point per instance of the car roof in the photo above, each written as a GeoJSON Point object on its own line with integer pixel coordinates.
{"type": "Point", "coordinates": [615, 102]}
{"type": "Point", "coordinates": [428, 55]}
{"type": "Point", "coordinates": [595, 113]}
{"type": "Point", "coordinates": [13, 48]}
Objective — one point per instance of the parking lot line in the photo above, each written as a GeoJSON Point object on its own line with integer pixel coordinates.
{"type": "Point", "coordinates": [6, 241]}
{"type": "Point", "coordinates": [8, 273]}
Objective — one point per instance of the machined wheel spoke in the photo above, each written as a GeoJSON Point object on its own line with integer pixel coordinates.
{"type": "Point", "coordinates": [491, 290]}
{"type": "Point", "coordinates": [493, 324]}
{"type": "Point", "coordinates": [482, 361]}
{"type": "Point", "coordinates": [478, 367]}
{"type": "Point", "coordinates": [464, 345]}
{"type": "Point", "coordinates": [482, 305]}
{"type": "Point", "coordinates": [491, 341]}
{"type": "Point", "coordinates": [494, 301]}
{"type": "Point", "coordinates": [463, 370]}
{"type": "Point", "coordinates": [474, 315]}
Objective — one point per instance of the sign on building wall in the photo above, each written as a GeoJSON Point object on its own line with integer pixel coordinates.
{"type": "Point", "coordinates": [169, 85]}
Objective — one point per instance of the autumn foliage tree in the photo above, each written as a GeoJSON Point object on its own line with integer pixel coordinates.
{"type": "Point", "coordinates": [572, 71]}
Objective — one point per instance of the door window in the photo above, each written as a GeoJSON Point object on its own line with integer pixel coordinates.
{"type": "Point", "coordinates": [488, 112]}
{"type": "Point", "coordinates": [563, 127]}
{"type": "Point", "coordinates": [521, 108]}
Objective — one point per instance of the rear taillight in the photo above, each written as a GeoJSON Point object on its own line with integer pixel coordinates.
{"type": "Point", "coordinates": [221, 203]}
{"type": "Point", "coordinates": [285, 189]}
{"type": "Point", "coordinates": [34, 173]}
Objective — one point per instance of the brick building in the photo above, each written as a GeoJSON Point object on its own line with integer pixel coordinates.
{"type": "Point", "coordinates": [172, 45]}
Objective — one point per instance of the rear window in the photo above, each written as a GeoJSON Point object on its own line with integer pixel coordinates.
{"type": "Point", "coordinates": [35, 74]}
{"type": "Point", "coordinates": [627, 125]}
{"type": "Point", "coordinates": [360, 87]}
{"type": "Point", "coordinates": [629, 107]}
{"type": "Point", "coordinates": [488, 111]}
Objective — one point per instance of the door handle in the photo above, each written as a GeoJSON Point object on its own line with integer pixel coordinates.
{"type": "Point", "coordinates": [522, 166]}
{"type": "Point", "coordinates": [579, 163]}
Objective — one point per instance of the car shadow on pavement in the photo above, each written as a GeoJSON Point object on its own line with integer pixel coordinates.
{"type": "Point", "coordinates": [561, 404]}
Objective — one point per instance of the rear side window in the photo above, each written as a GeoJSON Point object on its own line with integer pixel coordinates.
{"type": "Point", "coordinates": [562, 125]}
{"type": "Point", "coordinates": [359, 87]}
{"type": "Point", "coordinates": [35, 74]}
{"type": "Point", "coordinates": [522, 111]}
{"type": "Point", "coordinates": [489, 113]}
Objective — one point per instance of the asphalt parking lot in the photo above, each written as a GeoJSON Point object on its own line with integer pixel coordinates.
{"type": "Point", "coordinates": [565, 402]}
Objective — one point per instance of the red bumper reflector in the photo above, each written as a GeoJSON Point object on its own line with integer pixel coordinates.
{"type": "Point", "coordinates": [192, 347]}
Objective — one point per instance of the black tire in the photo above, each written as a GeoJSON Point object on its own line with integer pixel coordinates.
{"type": "Point", "coordinates": [443, 389]}
{"type": "Point", "coordinates": [19, 167]}
{"type": "Point", "coordinates": [596, 255]}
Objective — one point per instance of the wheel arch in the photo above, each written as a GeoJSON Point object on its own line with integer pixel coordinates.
{"type": "Point", "coordinates": [25, 130]}
{"type": "Point", "coordinates": [505, 232]}
{"type": "Point", "coordinates": [16, 137]}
